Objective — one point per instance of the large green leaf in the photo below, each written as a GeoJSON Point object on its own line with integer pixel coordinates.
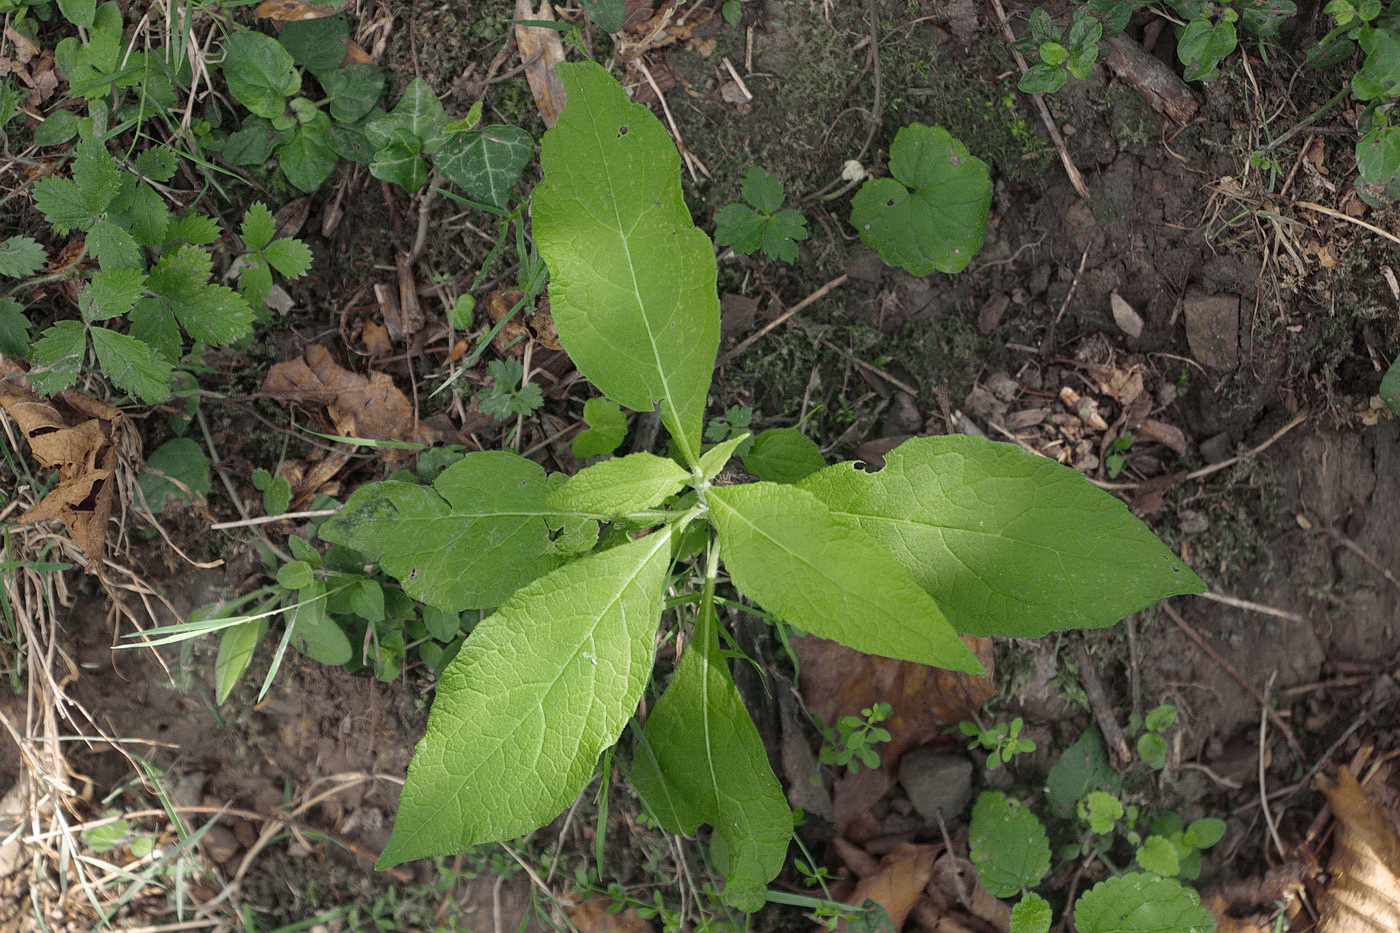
{"type": "Point", "coordinates": [701, 760]}
{"type": "Point", "coordinates": [787, 551]}
{"type": "Point", "coordinates": [632, 284]}
{"type": "Point", "coordinates": [538, 691]}
{"type": "Point", "coordinates": [931, 216]}
{"type": "Point", "coordinates": [621, 485]}
{"type": "Point", "coordinates": [479, 533]}
{"type": "Point", "coordinates": [1007, 542]}
{"type": "Point", "coordinates": [260, 72]}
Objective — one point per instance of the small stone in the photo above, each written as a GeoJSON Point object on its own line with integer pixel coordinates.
{"type": "Point", "coordinates": [1193, 522]}
{"type": "Point", "coordinates": [992, 312]}
{"type": "Point", "coordinates": [1128, 320]}
{"type": "Point", "coordinates": [936, 781]}
{"type": "Point", "coordinates": [1213, 329]}
{"type": "Point", "coordinates": [1218, 448]}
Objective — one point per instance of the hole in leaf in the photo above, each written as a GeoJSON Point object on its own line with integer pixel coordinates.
{"type": "Point", "coordinates": [889, 202]}
{"type": "Point", "coordinates": [622, 131]}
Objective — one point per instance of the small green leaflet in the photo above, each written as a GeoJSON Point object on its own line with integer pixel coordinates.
{"type": "Point", "coordinates": [479, 533]}
{"type": "Point", "coordinates": [763, 225]}
{"type": "Point", "coordinates": [714, 460]}
{"type": "Point", "coordinates": [607, 428]}
{"type": "Point", "coordinates": [80, 201]}
{"type": "Point", "coordinates": [57, 356]}
{"type": "Point", "coordinates": [236, 646]}
{"type": "Point", "coordinates": [632, 281]}
{"type": "Point", "coordinates": [621, 485]}
{"type": "Point", "coordinates": [213, 314]}
{"type": "Point", "coordinates": [258, 228]}
{"type": "Point", "coordinates": [783, 548]}
{"type": "Point", "coordinates": [537, 692]}
{"type": "Point", "coordinates": [110, 293]}
{"type": "Point", "coordinates": [1007, 542]}
{"type": "Point", "coordinates": [1007, 844]}
{"type": "Point", "coordinates": [1141, 903]}
{"type": "Point", "coordinates": [21, 256]}
{"type": "Point", "coordinates": [931, 216]}
{"type": "Point", "coordinates": [179, 459]}
{"type": "Point", "coordinates": [486, 162]}
{"type": "Point", "coordinates": [1031, 914]}
{"type": "Point", "coordinates": [14, 328]}
{"type": "Point", "coordinates": [700, 760]}
{"type": "Point", "coordinates": [783, 455]}
{"type": "Point", "coordinates": [132, 365]}
{"type": "Point", "coordinates": [608, 15]}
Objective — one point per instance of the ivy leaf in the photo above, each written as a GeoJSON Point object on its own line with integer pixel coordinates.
{"type": "Point", "coordinates": [783, 548]}
{"type": "Point", "coordinates": [132, 365]}
{"type": "Point", "coordinates": [607, 428]}
{"type": "Point", "coordinates": [353, 91]}
{"type": "Point", "coordinates": [478, 534]}
{"type": "Point", "coordinates": [318, 45]}
{"type": "Point", "coordinates": [537, 692]}
{"type": "Point", "coordinates": [486, 162]}
{"type": "Point", "coordinates": [307, 159]}
{"type": "Point", "coordinates": [14, 328]}
{"type": "Point", "coordinates": [632, 283]}
{"type": "Point", "coordinates": [21, 256]}
{"type": "Point", "coordinates": [931, 216]}
{"type": "Point", "coordinates": [700, 760]}
{"type": "Point", "coordinates": [398, 162]}
{"type": "Point", "coordinates": [1141, 903]}
{"type": "Point", "coordinates": [110, 293]}
{"type": "Point", "coordinates": [57, 356]}
{"type": "Point", "coordinates": [1007, 542]}
{"type": "Point", "coordinates": [260, 72]}
{"type": "Point", "coordinates": [621, 485]}
{"type": "Point", "coordinates": [1007, 844]}
{"type": "Point", "coordinates": [418, 113]}
{"type": "Point", "coordinates": [258, 228]}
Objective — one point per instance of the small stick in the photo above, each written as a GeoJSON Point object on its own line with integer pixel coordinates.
{"type": "Point", "coordinates": [870, 367]}
{"type": "Point", "coordinates": [1269, 820]}
{"type": "Point", "coordinates": [1252, 607]}
{"type": "Point", "coordinates": [1113, 736]}
{"type": "Point", "coordinates": [269, 519]}
{"type": "Point", "coordinates": [773, 324]}
{"type": "Point", "coordinates": [1234, 672]}
{"type": "Point", "coordinates": [1224, 464]}
{"type": "Point", "coordinates": [1352, 220]}
{"type": "Point", "coordinates": [691, 161]}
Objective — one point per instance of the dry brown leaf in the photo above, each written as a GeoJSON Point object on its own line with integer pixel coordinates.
{"type": "Point", "coordinates": [376, 338]}
{"type": "Point", "coordinates": [536, 325]}
{"type": "Point", "coordinates": [596, 915]}
{"type": "Point", "coordinates": [898, 883]}
{"type": "Point", "coordinates": [74, 435]}
{"type": "Point", "coordinates": [1364, 896]}
{"type": "Point", "coordinates": [1163, 433]}
{"type": "Point", "coordinates": [839, 681]}
{"type": "Point", "coordinates": [1124, 315]}
{"type": "Point", "coordinates": [954, 888]}
{"type": "Point", "coordinates": [540, 50]}
{"type": "Point", "coordinates": [294, 11]}
{"type": "Point", "coordinates": [370, 407]}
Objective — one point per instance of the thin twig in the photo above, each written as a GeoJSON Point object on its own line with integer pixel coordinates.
{"type": "Point", "coordinates": [1269, 820]}
{"type": "Point", "coordinates": [1349, 219]}
{"type": "Point", "coordinates": [780, 319]}
{"type": "Point", "coordinates": [1234, 672]}
{"type": "Point", "coordinates": [1252, 606]}
{"type": "Point", "coordinates": [1113, 736]}
{"type": "Point", "coordinates": [269, 519]}
{"type": "Point", "coordinates": [871, 368]}
{"type": "Point", "coordinates": [1225, 464]}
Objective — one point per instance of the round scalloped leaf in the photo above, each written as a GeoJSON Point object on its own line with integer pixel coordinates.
{"type": "Point", "coordinates": [1141, 903]}
{"type": "Point", "coordinates": [931, 216]}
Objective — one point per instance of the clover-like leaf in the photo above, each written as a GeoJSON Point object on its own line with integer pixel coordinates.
{"type": "Point", "coordinates": [932, 215]}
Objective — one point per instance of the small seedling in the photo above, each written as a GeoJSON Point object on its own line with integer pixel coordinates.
{"type": "Point", "coordinates": [1003, 741]}
{"type": "Point", "coordinates": [764, 223]}
{"type": "Point", "coordinates": [1117, 453]}
{"type": "Point", "coordinates": [507, 397]}
{"type": "Point", "coordinates": [852, 743]}
{"type": "Point", "coordinates": [1152, 744]}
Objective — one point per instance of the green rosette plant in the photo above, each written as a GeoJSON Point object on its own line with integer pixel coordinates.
{"type": "Point", "coordinates": [954, 534]}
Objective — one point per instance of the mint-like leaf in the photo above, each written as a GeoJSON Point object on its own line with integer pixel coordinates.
{"type": "Point", "coordinates": [1007, 844]}
{"type": "Point", "coordinates": [258, 227]}
{"type": "Point", "coordinates": [290, 257]}
{"type": "Point", "coordinates": [1141, 903]}
{"type": "Point", "coordinates": [110, 293]}
{"type": "Point", "coordinates": [57, 356]}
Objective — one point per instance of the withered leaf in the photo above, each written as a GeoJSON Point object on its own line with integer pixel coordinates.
{"type": "Point", "coordinates": [1364, 895]}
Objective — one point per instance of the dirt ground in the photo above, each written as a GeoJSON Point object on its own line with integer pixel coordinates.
{"type": "Point", "coordinates": [1254, 331]}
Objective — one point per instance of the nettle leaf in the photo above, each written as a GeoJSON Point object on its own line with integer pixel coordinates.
{"type": "Point", "coordinates": [132, 365]}
{"type": "Point", "coordinates": [21, 256]}
{"type": "Point", "coordinates": [537, 692]}
{"type": "Point", "coordinates": [1141, 903]}
{"type": "Point", "coordinates": [57, 356]}
{"type": "Point", "coordinates": [783, 455]}
{"type": "Point", "coordinates": [486, 162]}
{"type": "Point", "coordinates": [1007, 844]}
{"type": "Point", "coordinates": [260, 72]}
{"type": "Point", "coordinates": [1032, 914]}
{"type": "Point", "coordinates": [700, 760]}
{"type": "Point", "coordinates": [787, 551]}
{"type": "Point", "coordinates": [479, 533]}
{"type": "Point", "coordinates": [213, 314]}
{"type": "Point", "coordinates": [258, 228]}
{"type": "Point", "coordinates": [632, 281]}
{"type": "Point", "coordinates": [931, 216]}
{"type": "Point", "coordinates": [110, 293]}
{"type": "Point", "coordinates": [621, 485]}
{"type": "Point", "coordinates": [1007, 542]}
